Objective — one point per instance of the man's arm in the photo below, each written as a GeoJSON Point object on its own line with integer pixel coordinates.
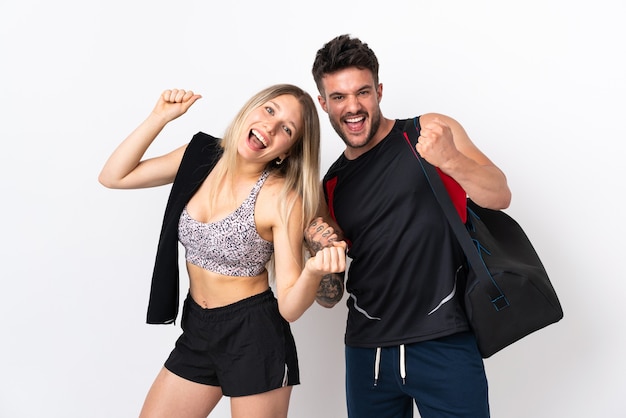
{"type": "Point", "coordinates": [330, 291]}
{"type": "Point", "coordinates": [321, 233]}
{"type": "Point", "coordinates": [444, 143]}
{"type": "Point", "coordinates": [318, 235]}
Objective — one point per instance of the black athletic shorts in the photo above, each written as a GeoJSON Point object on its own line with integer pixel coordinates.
{"type": "Point", "coordinates": [245, 348]}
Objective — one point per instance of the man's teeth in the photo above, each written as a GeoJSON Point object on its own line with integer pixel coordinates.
{"type": "Point", "coordinates": [259, 137]}
{"type": "Point", "coordinates": [354, 120]}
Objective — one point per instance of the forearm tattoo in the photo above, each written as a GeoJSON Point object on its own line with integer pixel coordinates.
{"type": "Point", "coordinates": [330, 290]}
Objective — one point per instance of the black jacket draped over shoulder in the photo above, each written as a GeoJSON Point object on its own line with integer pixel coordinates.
{"type": "Point", "coordinates": [201, 155]}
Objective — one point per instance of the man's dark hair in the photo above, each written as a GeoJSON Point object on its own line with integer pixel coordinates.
{"type": "Point", "coordinates": [343, 52]}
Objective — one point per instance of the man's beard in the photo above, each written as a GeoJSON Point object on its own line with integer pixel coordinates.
{"type": "Point", "coordinates": [337, 126]}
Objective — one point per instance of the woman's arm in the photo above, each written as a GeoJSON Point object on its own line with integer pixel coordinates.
{"type": "Point", "coordinates": [125, 168]}
{"type": "Point", "coordinates": [297, 287]}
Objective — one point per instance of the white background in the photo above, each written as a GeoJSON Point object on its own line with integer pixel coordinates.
{"type": "Point", "coordinates": [539, 85]}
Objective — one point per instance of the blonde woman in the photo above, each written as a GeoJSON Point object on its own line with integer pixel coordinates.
{"type": "Point", "coordinates": [239, 206]}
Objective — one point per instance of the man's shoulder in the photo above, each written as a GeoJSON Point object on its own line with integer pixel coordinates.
{"type": "Point", "coordinates": [432, 116]}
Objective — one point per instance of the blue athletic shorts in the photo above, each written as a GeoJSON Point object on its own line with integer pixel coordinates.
{"type": "Point", "coordinates": [444, 377]}
{"type": "Point", "coordinates": [245, 348]}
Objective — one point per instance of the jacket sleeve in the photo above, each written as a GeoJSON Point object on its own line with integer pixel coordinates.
{"type": "Point", "coordinates": [198, 160]}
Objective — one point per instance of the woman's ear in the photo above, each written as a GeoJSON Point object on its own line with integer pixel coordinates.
{"type": "Point", "coordinates": [281, 158]}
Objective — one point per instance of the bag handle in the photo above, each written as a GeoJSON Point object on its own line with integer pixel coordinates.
{"type": "Point", "coordinates": [469, 245]}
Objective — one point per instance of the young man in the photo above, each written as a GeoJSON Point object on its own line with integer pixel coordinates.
{"type": "Point", "coordinates": [407, 338]}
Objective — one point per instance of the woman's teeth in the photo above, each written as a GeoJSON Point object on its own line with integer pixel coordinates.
{"type": "Point", "coordinates": [259, 137]}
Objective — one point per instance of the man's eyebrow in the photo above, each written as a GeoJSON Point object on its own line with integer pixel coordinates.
{"type": "Point", "coordinates": [363, 87]}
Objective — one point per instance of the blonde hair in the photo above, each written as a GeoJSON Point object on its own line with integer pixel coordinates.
{"type": "Point", "coordinates": [300, 169]}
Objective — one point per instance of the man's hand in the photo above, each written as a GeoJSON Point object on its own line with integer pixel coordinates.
{"type": "Point", "coordinates": [436, 143]}
{"type": "Point", "coordinates": [320, 235]}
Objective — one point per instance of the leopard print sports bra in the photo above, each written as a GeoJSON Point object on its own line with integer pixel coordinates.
{"type": "Point", "coordinates": [231, 246]}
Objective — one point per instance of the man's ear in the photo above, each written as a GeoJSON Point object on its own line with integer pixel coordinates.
{"type": "Point", "coordinates": [322, 103]}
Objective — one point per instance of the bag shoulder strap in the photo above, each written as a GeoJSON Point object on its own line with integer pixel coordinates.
{"type": "Point", "coordinates": [465, 240]}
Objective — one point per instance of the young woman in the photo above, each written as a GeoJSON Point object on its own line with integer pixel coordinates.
{"type": "Point", "coordinates": [239, 206]}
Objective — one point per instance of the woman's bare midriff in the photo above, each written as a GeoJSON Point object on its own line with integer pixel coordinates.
{"type": "Point", "coordinates": [213, 290]}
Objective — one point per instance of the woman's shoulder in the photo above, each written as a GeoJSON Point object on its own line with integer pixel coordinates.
{"type": "Point", "coordinates": [274, 195]}
{"type": "Point", "coordinates": [273, 186]}
{"type": "Point", "coordinates": [201, 146]}
{"type": "Point", "coordinates": [270, 205]}
{"type": "Point", "coordinates": [203, 139]}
